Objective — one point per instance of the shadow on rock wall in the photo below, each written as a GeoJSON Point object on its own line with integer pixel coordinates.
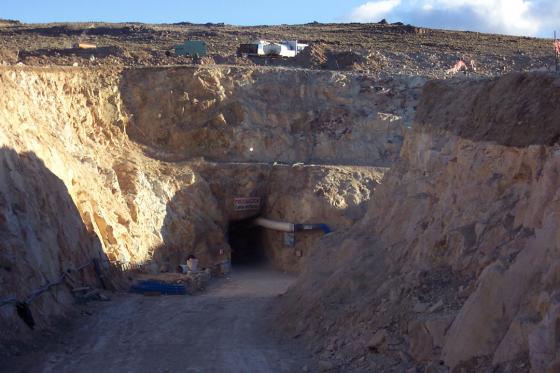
{"type": "Point", "coordinates": [193, 225]}
{"type": "Point", "coordinates": [42, 236]}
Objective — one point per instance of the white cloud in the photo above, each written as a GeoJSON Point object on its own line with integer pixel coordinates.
{"type": "Point", "coordinates": [374, 10]}
{"type": "Point", "coordinates": [519, 17]}
{"type": "Point", "coordinates": [509, 16]}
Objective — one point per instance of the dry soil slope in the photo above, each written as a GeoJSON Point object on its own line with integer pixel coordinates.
{"type": "Point", "coordinates": [457, 258]}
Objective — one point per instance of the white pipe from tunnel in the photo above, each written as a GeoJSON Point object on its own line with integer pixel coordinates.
{"type": "Point", "coordinates": [289, 227]}
{"type": "Point", "coordinates": [274, 225]}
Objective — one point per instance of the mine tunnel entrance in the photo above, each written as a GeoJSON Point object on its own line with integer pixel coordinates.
{"type": "Point", "coordinates": [246, 242]}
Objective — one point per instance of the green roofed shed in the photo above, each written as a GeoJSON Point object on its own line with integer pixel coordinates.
{"type": "Point", "coordinates": [192, 48]}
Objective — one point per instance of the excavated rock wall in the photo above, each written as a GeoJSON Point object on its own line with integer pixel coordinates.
{"type": "Point", "coordinates": [336, 196]}
{"type": "Point", "coordinates": [110, 164]}
{"type": "Point", "coordinates": [457, 258]}
{"type": "Point", "coordinates": [66, 197]}
{"type": "Point", "coordinates": [263, 115]}
{"type": "Point", "coordinates": [333, 195]}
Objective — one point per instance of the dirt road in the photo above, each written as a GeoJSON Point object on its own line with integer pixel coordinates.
{"type": "Point", "coordinates": [225, 329]}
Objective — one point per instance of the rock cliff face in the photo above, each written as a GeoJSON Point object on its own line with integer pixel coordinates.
{"type": "Point", "coordinates": [113, 165]}
{"type": "Point", "coordinates": [457, 257]}
{"type": "Point", "coordinates": [263, 115]}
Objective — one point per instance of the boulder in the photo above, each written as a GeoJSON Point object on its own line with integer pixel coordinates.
{"type": "Point", "coordinates": [437, 327]}
{"type": "Point", "coordinates": [378, 340]}
{"type": "Point", "coordinates": [420, 341]}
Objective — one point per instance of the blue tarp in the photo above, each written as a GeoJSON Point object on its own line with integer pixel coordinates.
{"type": "Point", "coordinates": [150, 286]}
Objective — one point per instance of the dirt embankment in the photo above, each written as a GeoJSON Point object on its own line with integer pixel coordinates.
{"type": "Point", "coordinates": [489, 111]}
{"type": "Point", "coordinates": [457, 258]}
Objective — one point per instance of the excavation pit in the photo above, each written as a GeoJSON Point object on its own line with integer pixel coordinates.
{"type": "Point", "coordinates": [150, 162]}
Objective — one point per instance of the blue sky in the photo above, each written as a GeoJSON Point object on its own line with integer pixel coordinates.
{"type": "Point", "coordinates": [249, 12]}
{"type": "Point", "coordinates": [517, 17]}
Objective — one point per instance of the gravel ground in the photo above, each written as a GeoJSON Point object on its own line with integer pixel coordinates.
{"type": "Point", "coordinates": [225, 329]}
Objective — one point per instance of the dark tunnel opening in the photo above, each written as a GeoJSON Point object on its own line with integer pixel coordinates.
{"type": "Point", "coordinates": [246, 242]}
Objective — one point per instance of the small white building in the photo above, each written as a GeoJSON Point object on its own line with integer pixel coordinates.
{"type": "Point", "coordinates": [261, 44]}
{"type": "Point", "coordinates": [295, 46]}
{"type": "Point", "coordinates": [288, 48]}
